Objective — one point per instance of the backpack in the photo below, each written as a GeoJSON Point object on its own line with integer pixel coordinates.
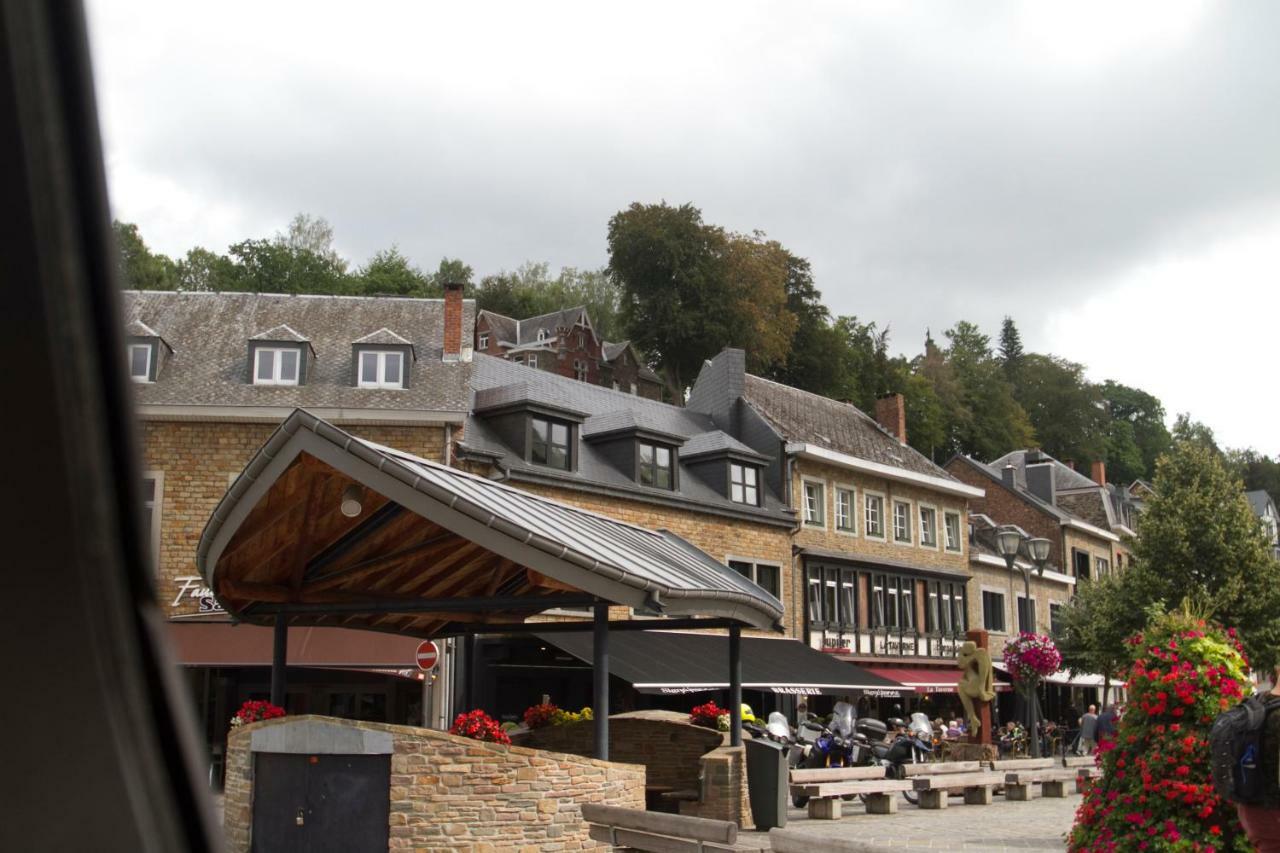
{"type": "Point", "coordinates": [1235, 750]}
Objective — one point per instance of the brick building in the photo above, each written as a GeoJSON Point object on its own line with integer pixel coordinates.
{"type": "Point", "coordinates": [214, 374]}
{"type": "Point", "coordinates": [565, 343]}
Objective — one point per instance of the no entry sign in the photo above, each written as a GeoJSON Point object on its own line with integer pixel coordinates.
{"type": "Point", "coordinates": [428, 654]}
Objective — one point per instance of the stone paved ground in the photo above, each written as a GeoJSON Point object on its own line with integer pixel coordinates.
{"type": "Point", "coordinates": [1039, 825]}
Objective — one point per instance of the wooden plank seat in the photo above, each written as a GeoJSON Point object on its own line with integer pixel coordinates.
{"type": "Point", "coordinates": [1086, 769]}
{"type": "Point", "coordinates": [1021, 774]}
{"type": "Point", "coordinates": [936, 780]}
{"type": "Point", "coordinates": [657, 831]}
{"type": "Point", "coordinates": [797, 841]}
{"type": "Point", "coordinates": [826, 785]}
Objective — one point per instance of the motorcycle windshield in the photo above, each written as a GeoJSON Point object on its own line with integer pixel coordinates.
{"type": "Point", "coordinates": [778, 725]}
{"type": "Point", "coordinates": [842, 718]}
{"type": "Point", "coordinates": [920, 726]}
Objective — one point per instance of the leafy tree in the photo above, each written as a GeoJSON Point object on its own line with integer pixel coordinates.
{"type": "Point", "coordinates": [311, 234]}
{"type": "Point", "coordinates": [389, 273]}
{"type": "Point", "coordinates": [989, 421]}
{"type": "Point", "coordinates": [1190, 431]}
{"type": "Point", "coordinates": [274, 266]}
{"type": "Point", "coordinates": [140, 268]}
{"type": "Point", "coordinates": [451, 271]}
{"type": "Point", "coordinates": [1145, 414]}
{"type": "Point", "coordinates": [680, 301]}
{"type": "Point", "coordinates": [1094, 624]}
{"type": "Point", "coordinates": [203, 270]}
{"type": "Point", "coordinates": [1066, 410]}
{"type": "Point", "coordinates": [1200, 540]}
{"type": "Point", "coordinates": [1257, 470]}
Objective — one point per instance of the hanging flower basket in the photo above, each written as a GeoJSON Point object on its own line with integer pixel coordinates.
{"type": "Point", "coordinates": [1031, 658]}
{"type": "Point", "coordinates": [253, 711]}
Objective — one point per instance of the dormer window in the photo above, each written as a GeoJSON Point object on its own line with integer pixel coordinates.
{"type": "Point", "coordinates": [140, 357]}
{"type": "Point", "coordinates": [542, 335]}
{"type": "Point", "coordinates": [656, 466]}
{"type": "Point", "coordinates": [276, 365]}
{"type": "Point", "coordinates": [549, 443]}
{"type": "Point", "coordinates": [744, 487]}
{"type": "Point", "coordinates": [381, 369]}
{"type": "Point", "coordinates": [483, 341]}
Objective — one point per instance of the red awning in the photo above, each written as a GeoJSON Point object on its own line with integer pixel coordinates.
{"type": "Point", "coordinates": [224, 644]}
{"type": "Point", "coordinates": [925, 680]}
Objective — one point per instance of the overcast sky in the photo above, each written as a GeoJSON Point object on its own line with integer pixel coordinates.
{"type": "Point", "coordinates": [1107, 173]}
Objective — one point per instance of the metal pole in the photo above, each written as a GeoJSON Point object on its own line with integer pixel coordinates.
{"type": "Point", "coordinates": [1032, 721]}
{"type": "Point", "coordinates": [600, 672]}
{"type": "Point", "coordinates": [735, 686]}
{"type": "Point", "coordinates": [469, 673]}
{"type": "Point", "coordinates": [279, 660]}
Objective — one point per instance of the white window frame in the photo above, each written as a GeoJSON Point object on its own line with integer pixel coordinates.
{"type": "Point", "coordinates": [937, 537]}
{"type": "Point", "coordinates": [852, 528]}
{"type": "Point", "coordinates": [1004, 608]}
{"type": "Point", "coordinates": [542, 335]}
{"type": "Point", "coordinates": [381, 381]}
{"type": "Point", "coordinates": [1101, 566]}
{"type": "Point", "coordinates": [756, 563]}
{"type": "Point", "coordinates": [276, 362]}
{"type": "Point", "coordinates": [755, 473]}
{"type": "Point", "coordinates": [821, 523]}
{"type": "Point", "coordinates": [911, 513]}
{"type": "Point", "coordinates": [145, 377]}
{"type": "Point", "coordinates": [947, 545]}
{"type": "Point", "coordinates": [157, 507]}
{"type": "Point", "coordinates": [883, 535]}
{"type": "Point", "coordinates": [533, 360]}
{"type": "Point", "coordinates": [482, 341]}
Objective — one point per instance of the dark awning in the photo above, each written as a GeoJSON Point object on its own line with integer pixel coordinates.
{"type": "Point", "coordinates": [671, 662]}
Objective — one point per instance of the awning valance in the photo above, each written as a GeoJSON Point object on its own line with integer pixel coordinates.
{"type": "Point", "coordinates": [324, 528]}
{"type": "Point", "coordinates": [673, 662]}
{"type": "Point", "coordinates": [925, 680]}
{"type": "Point", "coordinates": [1062, 676]}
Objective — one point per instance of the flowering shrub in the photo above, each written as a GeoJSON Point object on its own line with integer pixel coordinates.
{"type": "Point", "coordinates": [537, 716]}
{"type": "Point", "coordinates": [562, 717]}
{"type": "Point", "coordinates": [251, 712]}
{"type": "Point", "coordinates": [1156, 792]}
{"type": "Point", "coordinates": [708, 715]}
{"type": "Point", "coordinates": [1031, 657]}
{"type": "Point", "coordinates": [722, 722]}
{"type": "Point", "coordinates": [478, 725]}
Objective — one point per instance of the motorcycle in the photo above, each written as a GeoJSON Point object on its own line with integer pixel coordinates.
{"type": "Point", "coordinates": [833, 745]}
{"type": "Point", "coordinates": [912, 743]}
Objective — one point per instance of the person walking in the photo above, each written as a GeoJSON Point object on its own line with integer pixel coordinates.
{"type": "Point", "coordinates": [1088, 731]}
{"type": "Point", "coordinates": [1261, 822]}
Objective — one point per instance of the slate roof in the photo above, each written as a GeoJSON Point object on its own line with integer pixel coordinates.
{"type": "Point", "coordinates": [527, 329]}
{"type": "Point", "coordinates": [801, 416]}
{"type": "Point", "coordinates": [1258, 500]}
{"type": "Point", "coordinates": [1065, 478]}
{"type": "Point", "coordinates": [138, 329]}
{"type": "Point", "coordinates": [384, 336]}
{"type": "Point", "coordinates": [717, 442]}
{"type": "Point", "coordinates": [500, 325]}
{"type": "Point", "coordinates": [995, 475]}
{"type": "Point", "coordinates": [210, 335]}
{"type": "Point", "coordinates": [610, 351]}
{"type": "Point", "coordinates": [494, 377]}
{"type": "Point", "coordinates": [283, 332]}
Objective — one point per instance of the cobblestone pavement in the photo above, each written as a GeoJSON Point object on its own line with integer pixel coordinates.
{"type": "Point", "coordinates": [1038, 825]}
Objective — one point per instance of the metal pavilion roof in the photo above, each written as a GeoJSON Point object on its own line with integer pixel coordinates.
{"type": "Point", "coordinates": [270, 545]}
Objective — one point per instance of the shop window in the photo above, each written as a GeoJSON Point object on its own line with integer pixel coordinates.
{"type": "Point", "coordinates": [549, 443]}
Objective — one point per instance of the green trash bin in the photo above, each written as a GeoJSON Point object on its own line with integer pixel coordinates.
{"type": "Point", "coordinates": [767, 783]}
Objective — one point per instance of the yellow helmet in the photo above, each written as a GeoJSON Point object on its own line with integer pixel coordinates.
{"type": "Point", "coordinates": [748, 716]}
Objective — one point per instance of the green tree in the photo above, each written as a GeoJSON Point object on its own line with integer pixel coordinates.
{"type": "Point", "coordinates": [1145, 413]}
{"type": "Point", "coordinates": [689, 289]}
{"type": "Point", "coordinates": [1011, 353]}
{"type": "Point", "coordinates": [202, 270]}
{"type": "Point", "coordinates": [1066, 411]}
{"type": "Point", "coordinates": [274, 266]}
{"type": "Point", "coordinates": [138, 267]}
{"type": "Point", "coordinates": [1201, 541]}
{"type": "Point", "coordinates": [1257, 470]}
{"type": "Point", "coordinates": [314, 235]}
{"type": "Point", "coordinates": [1186, 430]}
{"type": "Point", "coordinates": [1094, 624]}
{"type": "Point", "coordinates": [389, 273]}
{"type": "Point", "coordinates": [452, 271]}
{"type": "Point", "coordinates": [989, 422]}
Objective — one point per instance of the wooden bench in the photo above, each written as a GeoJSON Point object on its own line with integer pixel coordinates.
{"type": "Point", "coordinates": [1021, 773]}
{"type": "Point", "coordinates": [1086, 769]}
{"type": "Point", "coordinates": [795, 841]}
{"type": "Point", "coordinates": [658, 831]}
{"type": "Point", "coordinates": [826, 785]}
{"type": "Point", "coordinates": [935, 780]}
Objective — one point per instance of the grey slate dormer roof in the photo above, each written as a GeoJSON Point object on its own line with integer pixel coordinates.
{"type": "Point", "coordinates": [210, 334]}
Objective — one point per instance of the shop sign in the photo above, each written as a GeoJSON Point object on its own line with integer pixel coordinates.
{"type": "Point", "coordinates": [893, 645]}
{"type": "Point", "coordinates": [883, 693]}
{"type": "Point", "coordinates": [796, 691]}
{"type": "Point", "coordinates": [193, 587]}
{"type": "Point", "coordinates": [830, 643]}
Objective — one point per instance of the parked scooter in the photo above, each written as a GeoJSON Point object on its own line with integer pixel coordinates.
{"type": "Point", "coordinates": [909, 743]}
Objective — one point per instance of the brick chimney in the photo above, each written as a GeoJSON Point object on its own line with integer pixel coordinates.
{"type": "Point", "coordinates": [1098, 472]}
{"type": "Point", "coordinates": [452, 322]}
{"type": "Point", "coordinates": [891, 413]}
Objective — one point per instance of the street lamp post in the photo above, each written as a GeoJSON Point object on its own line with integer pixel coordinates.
{"type": "Point", "coordinates": [1010, 541]}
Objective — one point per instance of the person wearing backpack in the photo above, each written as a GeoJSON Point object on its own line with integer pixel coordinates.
{"type": "Point", "coordinates": [1245, 759]}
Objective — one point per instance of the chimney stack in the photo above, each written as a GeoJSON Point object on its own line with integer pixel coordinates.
{"type": "Point", "coordinates": [891, 413]}
{"type": "Point", "coordinates": [1098, 472]}
{"type": "Point", "coordinates": [1007, 477]}
{"type": "Point", "coordinates": [452, 321]}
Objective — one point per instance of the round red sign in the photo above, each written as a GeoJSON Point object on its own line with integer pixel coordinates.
{"type": "Point", "coordinates": [428, 654]}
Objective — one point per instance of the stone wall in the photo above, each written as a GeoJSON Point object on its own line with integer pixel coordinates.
{"type": "Point", "coordinates": [722, 788]}
{"type": "Point", "coordinates": [664, 742]}
{"type": "Point", "coordinates": [450, 793]}
{"type": "Point", "coordinates": [194, 464]}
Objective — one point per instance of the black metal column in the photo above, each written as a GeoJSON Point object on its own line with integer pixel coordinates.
{"type": "Point", "coordinates": [468, 673]}
{"type": "Point", "coordinates": [600, 672]}
{"type": "Point", "coordinates": [735, 686]}
{"type": "Point", "coordinates": [279, 659]}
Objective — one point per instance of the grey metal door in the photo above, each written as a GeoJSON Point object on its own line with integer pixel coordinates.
{"type": "Point", "coordinates": [321, 803]}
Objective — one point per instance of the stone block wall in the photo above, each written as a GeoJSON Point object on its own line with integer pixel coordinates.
{"type": "Point", "coordinates": [664, 742]}
{"type": "Point", "coordinates": [450, 793]}
{"type": "Point", "coordinates": [722, 791]}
